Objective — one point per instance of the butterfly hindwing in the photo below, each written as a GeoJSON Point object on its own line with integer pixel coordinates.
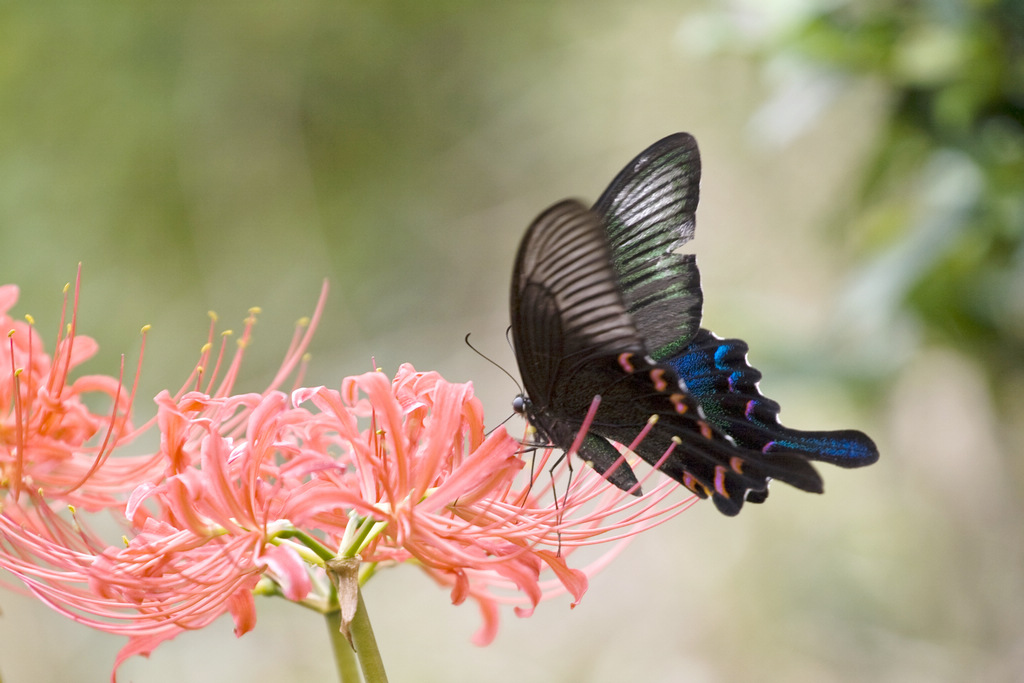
{"type": "Point", "coordinates": [702, 457]}
{"type": "Point", "coordinates": [718, 374]}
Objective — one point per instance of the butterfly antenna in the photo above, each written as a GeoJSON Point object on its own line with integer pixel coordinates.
{"type": "Point", "coordinates": [502, 422]}
{"type": "Point", "coordinates": [495, 364]}
{"type": "Point", "coordinates": [477, 351]}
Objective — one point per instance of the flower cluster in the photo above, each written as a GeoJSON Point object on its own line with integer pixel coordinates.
{"type": "Point", "coordinates": [255, 493]}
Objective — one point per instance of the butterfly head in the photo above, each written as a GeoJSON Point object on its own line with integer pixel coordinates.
{"type": "Point", "coordinates": [521, 404]}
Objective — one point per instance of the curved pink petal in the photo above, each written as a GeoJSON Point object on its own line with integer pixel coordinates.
{"type": "Point", "coordinates": [289, 571]}
{"type": "Point", "coordinates": [243, 610]}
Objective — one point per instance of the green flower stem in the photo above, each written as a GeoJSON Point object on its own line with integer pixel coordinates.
{"type": "Point", "coordinates": [344, 655]}
{"type": "Point", "coordinates": [358, 536]}
{"type": "Point", "coordinates": [307, 540]}
{"type": "Point", "coordinates": [366, 645]}
{"type": "Point", "coordinates": [362, 653]}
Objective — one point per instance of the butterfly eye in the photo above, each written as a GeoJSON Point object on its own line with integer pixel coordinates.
{"type": "Point", "coordinates": [519, 404]}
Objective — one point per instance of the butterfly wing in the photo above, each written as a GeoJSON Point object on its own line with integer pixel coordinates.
{"type": "Point", "coordinates": [650, 211]}
{"type": "Point", "coordinates": [702, 458]}
{"type": "Point", "coordinates": [718, 374]}
{"type": "Point", "coordinates": [566, 306]}
{"type": "Point", "coordinates": [566, 310]}
{"type": "Point", "coordinates": [574, 339]}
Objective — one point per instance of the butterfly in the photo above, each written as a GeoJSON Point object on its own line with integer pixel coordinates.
{"type": "Point", "coordinates": [602, 305]}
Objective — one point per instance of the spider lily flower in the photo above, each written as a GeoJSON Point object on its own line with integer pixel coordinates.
{"type": "Point", "coordinates": [51, 440]}
{"type": "Point", "coordinates": [256, 493]}
{"type": "Point", "coordinates": [459, 505]}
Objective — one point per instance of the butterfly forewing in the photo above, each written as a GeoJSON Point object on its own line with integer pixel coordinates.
{"type": "Point", "coordinates": [566, 307]}
{"type": "Point", "coordinates": [567, 311]}
{"type": "Point", "coordinates": [649, 210]}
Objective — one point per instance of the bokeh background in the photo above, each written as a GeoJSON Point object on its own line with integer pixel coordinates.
{"type": "Point", "coordinates": [860, 226]}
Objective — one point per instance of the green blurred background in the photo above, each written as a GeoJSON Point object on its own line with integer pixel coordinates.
{"type": "Point", "coordinates": [860, 226]}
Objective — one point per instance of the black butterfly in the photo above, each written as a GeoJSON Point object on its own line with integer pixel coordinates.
{"type": "Point", "coordinates": [603, 306]}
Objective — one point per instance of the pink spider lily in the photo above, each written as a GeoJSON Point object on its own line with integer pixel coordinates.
{"type": "Point", "coordinates": [50, 439]}
{"type": "Point", "coordinates": [259, 494]}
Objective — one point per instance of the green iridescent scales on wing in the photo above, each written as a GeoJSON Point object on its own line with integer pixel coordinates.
{"type": "Point", "coordinates": [650, 212]}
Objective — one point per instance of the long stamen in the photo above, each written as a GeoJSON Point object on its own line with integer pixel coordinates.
{"type": "Point", "coordinates": [19, 458]}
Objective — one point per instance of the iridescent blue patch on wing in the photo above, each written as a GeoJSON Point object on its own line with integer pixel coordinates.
{"type": "Point", "coordinates": [717, 374]}
{"type": "Point", "coordinates": [835, 447]}
{"type": "Point", "coordinates": [694, 367]}
{"type": "Point", "coordinates": [734, 380]}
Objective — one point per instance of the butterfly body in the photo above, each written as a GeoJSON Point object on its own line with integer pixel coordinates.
{"type": "Point", "coordinates": [602, 305]}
